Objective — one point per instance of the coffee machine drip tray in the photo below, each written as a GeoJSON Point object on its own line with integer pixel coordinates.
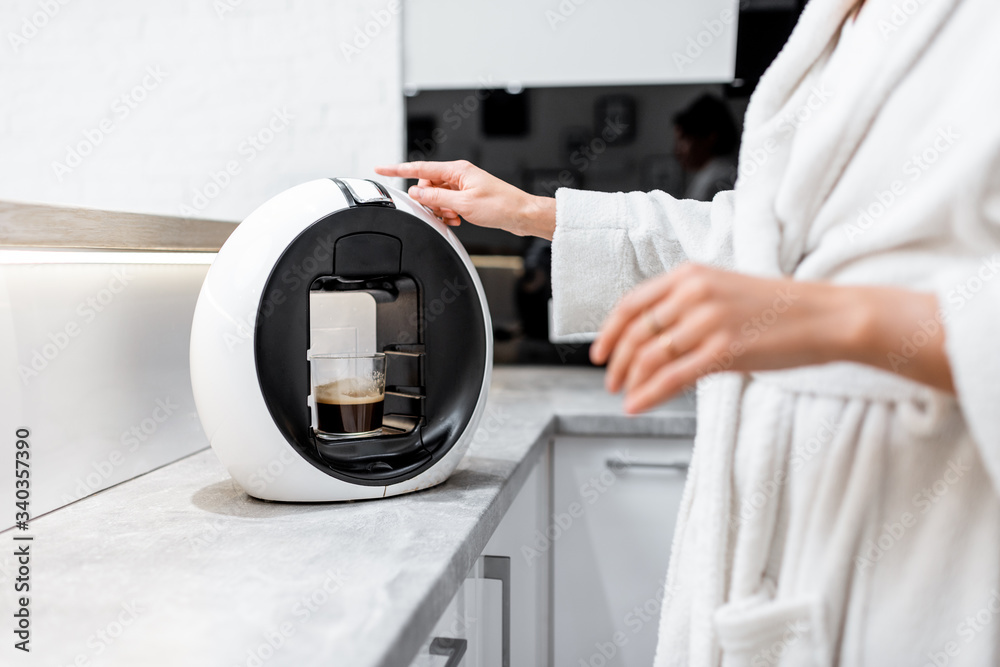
{"type": "Point", "coordinates": [398, 424]}
{"type": "Point", "coordinates": [395, 452]}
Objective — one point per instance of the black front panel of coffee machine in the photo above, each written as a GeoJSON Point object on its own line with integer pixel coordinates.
{"type": "Point", "coordinates": [429, 318]}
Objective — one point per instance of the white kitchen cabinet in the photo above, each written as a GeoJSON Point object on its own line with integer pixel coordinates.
{"type": "Point", "coordinates": [588, 541]}
{"type": "Point", "coordinates": [614, 505]}
{"type": "Point", "coordinates": [472, 626]}
{"type": "Point", "coordinates": [567, 43]}
{"type": "Point", "coordinates": [455, 633]}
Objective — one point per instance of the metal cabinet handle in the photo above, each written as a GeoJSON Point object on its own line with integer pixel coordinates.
{"type": "Point", "coordinates": [451, 647]}
{"type": "Point", "coordinates": [618, 465]}
{"type": "Point", "coordinates": [498, 568]}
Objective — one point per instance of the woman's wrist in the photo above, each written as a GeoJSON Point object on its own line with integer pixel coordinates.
{"type": "Point", "coordinates": [858, 333]}
{"type": "Point", "coordinates": [538, 217]}
{"type": "Point", "coordinates": [878, 323]}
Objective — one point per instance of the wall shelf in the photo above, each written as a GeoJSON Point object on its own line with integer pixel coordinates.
{"type": "Point", "coordinates": [31, 225]}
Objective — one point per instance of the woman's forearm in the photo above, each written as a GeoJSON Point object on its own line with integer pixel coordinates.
{"type": "Point", "coordinates": [681, 325]}
{"type": "Point", "coordinates": [538, 217]}
{"type": "Point", "coordinates": [900, 331]}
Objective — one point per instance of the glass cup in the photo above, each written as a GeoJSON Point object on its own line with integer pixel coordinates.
{"type": "Point", "coordinates": [349, 392]}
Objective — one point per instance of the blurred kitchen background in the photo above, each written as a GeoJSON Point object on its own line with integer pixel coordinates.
{"type": "Point", "coordinates": [206, 109]}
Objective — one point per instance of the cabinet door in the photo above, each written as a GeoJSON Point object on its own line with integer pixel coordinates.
{"type": "Point", "coordinates": [500, 618]}
{"type": "Point", "coordinates": [454, 641]}
{"type": "Point", "coordinates": [614, 507]}
{"type": "Point", "coordinates": [516, 538]}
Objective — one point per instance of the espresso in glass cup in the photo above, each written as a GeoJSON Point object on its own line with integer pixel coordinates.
{"type": "Point", "coordinates": [349, 391]}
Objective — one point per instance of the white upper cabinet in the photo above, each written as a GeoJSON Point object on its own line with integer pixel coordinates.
{"type": "Point", "coordinates": [451, 44]}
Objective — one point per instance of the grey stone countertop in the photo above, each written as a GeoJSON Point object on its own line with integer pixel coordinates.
{"type": "Point", "coordinates": [181, 567]}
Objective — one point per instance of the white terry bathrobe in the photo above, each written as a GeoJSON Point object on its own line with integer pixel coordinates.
{"type": "Point", "coordinates": [837, 514]}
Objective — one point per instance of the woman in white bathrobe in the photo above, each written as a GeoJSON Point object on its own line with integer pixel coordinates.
{"type": "Point", "coordinates": [840, 312]}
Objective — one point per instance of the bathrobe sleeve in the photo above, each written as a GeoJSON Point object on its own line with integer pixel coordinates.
{"type": "Point", "coordinates": [606, 243]}
{"type": "Point", "coordinates": [972, 342]}
{"type": "Point", "coordinates": [969, 298]}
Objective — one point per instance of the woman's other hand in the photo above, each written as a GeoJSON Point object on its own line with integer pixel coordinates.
{"type": "Point", "coordinates": [695, 320]}
{"type": "Point", "coordinates": [455, 190]}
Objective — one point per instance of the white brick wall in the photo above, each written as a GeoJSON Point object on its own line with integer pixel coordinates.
{"type": "Point", "coordinates": [200, 78]}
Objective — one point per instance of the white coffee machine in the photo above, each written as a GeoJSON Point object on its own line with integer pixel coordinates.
{"type": "Point", "coordinates": [340, 266]}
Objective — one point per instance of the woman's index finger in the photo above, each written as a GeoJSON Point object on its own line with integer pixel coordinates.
{"type": "Point", "coordinates": [431, 171]}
